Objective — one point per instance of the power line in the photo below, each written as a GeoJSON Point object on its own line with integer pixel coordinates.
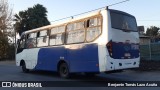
{"type": "Point", "coordinates": [148, 20]}
{"type": "Point", "coordinates": [118, 3]}
{"type": "Point", "coordinates": [106, 7]}
{"type": "Point", "coordinates": [77, 14]}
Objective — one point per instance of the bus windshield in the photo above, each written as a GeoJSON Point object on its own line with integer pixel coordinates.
{"type": "Point", "coordinates": [123, 21]}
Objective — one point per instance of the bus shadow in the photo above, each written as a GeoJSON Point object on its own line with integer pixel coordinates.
{"type": "Point", "coordinates": [77, 76]}
{"type": "Point", "coordinates": [81, 79]}
{"type": "Point", "coordinates": [44, 73]}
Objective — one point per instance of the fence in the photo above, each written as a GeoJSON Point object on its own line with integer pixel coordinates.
{"type": "Point", "coordinates": [150, 52]}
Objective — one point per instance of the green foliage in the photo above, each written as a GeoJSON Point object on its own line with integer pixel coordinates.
{"type": "Point", "coordinates": [7, 50]}
{"type": "Point", "coordinates": [153, 31]}
{"type": "Point", "coordinates": [31, 18]}
{"type": "Point", "coordinates": [3, 45]}
{"type": "Point", "coordinates": [11, 52]}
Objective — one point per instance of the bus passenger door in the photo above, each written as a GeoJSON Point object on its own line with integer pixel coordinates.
{"type": "Point", "coordinates": [20, 53]}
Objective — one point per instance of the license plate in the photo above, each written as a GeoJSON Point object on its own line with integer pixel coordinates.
{"type": "Point", "coordinates": [127, 54]}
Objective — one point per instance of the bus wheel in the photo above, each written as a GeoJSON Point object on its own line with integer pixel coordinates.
{"type": "Point", "coordinates": [24, 69]}
{"type": "Point", "coordinates": [64, 70]}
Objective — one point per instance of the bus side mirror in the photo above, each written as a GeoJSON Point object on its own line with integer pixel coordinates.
{"type": "Point", "coordinates": [18, 42]}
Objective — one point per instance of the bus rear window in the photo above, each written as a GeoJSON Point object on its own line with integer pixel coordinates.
{"type": "Point", "coordinates": [123, 22]}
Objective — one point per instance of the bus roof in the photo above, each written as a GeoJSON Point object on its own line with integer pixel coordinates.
{"type": "Point", "coordinates": [58, 23]}
{"type": "Point", "coordinates": [74, 18]}
{"type": "Point", "coordinates": [121, 12]}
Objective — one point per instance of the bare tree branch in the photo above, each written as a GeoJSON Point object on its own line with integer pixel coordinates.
{"type": "Point", "coordinates": [5, 16]}
{"type": "Point", "coordinates": [6, 25]}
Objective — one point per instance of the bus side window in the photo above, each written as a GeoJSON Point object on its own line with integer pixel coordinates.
{"type": "Point", "coordinates": [31, 40]}
{"type": "Point", "coordinates": [87, 23]}
{"type": "Point", "coordinates": [57, 35]}
{"type": "Point", "coordinates": [38, 34]}
{"type": "Point", "coordinates": [42, 38]}
{"type": "Point", "coordinates": [93, 28]}
{"type": "Point", "coordinates": [77, 34]}
{"type": "Point", "coordinates": [21, 42]}
{"type": "Point", "coordinates": [27, 36]}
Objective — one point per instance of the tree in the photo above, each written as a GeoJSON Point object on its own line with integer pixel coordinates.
{"type": "Point", "coordinates": [5, 16]}
{"type": "Point", "coordinates": [31, 18]}
{"type": "Point", "coordinates": [153, 32]}
{"type": "Point", "coordinates": [4, 45]}
{"type": "Point", "coordinates": [5, 28]}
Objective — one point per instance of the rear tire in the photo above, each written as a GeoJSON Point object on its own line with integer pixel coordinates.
{"type": "Point", "coordinates": [24, 69]}
{"type": "Point", "coordinates": [64, 70]}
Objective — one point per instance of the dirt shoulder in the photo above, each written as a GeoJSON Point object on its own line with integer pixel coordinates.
{"type": "Point", "coordinates": [8, 62]}
{"type": "Point", "coordinates": [151, 65]}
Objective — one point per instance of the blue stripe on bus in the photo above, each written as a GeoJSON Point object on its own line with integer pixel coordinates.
{"type": "Point", "coordinates": [79, 58]}
{"type": "Point", "coordinates": [119, 50]}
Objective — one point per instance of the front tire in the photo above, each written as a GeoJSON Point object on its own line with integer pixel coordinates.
{"type": "Point", "coordinates": [64, 70]}
{"type": "Point", "coordinates": [24, 69]}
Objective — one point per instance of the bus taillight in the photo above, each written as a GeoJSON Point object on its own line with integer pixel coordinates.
{"type": "Point", "coordinates": [109, 47]}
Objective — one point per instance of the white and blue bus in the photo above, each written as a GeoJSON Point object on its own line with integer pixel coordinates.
{"type": "Point", "coordinates": [101, 41]}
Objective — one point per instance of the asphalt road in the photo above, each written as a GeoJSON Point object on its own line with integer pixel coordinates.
{"type": "Point", "coordinates": [10, 72]}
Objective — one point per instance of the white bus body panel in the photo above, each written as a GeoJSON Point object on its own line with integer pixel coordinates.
{"type": "Point", "coordinates": [108, 33]}
{"type": "Point", "coordinates": [29, 56]}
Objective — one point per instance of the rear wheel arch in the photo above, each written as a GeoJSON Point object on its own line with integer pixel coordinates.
{"type": "Point", "coordinates": [22, 62]}
{"type": "Point", "coordinates": [63, 69]}
{"type": "Point", "coordinates": [23, 65]}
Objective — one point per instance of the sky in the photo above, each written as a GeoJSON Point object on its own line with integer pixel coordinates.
{"type": "Point", "coordinates": [147, 12]}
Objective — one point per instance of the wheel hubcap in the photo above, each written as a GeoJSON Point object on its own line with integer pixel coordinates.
{"type": "Point", "coordinates": [64, 70]}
